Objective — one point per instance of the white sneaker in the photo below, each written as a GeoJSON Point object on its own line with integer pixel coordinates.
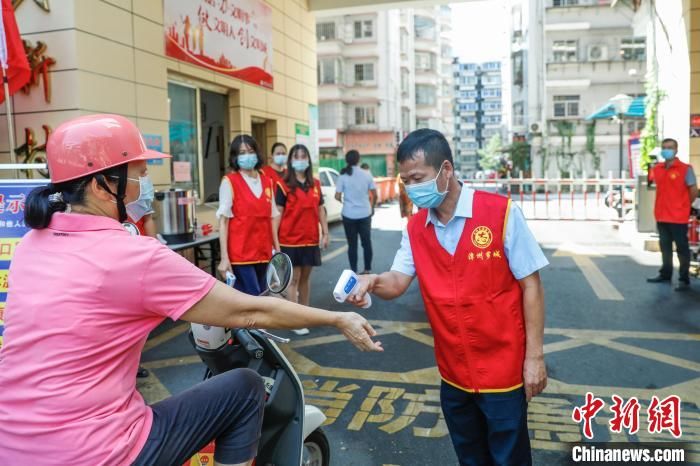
{"type": "Point", "coordinates": [301, 331]}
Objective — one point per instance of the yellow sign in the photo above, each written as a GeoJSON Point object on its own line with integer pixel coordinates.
{"type": "Point", "coordinates": [482, 237]}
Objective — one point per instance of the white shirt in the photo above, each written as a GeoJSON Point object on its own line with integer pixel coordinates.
{"type": "Point", "coordinates": [226, 196]}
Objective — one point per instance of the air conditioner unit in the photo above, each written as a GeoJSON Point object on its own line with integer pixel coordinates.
{"type": "Point", "coordinates": [597, 52]}
{"type": "Point", "coordinates": [536, 127]}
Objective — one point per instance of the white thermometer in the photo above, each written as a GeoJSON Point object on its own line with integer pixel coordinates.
{"type": "Point", "coordinates": [346, 286]}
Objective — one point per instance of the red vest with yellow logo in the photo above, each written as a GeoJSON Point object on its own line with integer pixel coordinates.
{"type": "Point", "coordinates": [473, 301]}
{"type": "Point", "coordinates": [250, 229]}
{"type": "Point", "coordinates": [272, 174]}
{"type": "Point", "coordinates": [299, 225]}
{"type": "Point", "coordinates": [672, 200]}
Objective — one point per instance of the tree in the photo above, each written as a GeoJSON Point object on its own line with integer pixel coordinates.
{"type": "Point", "coordinates": [490, 156]}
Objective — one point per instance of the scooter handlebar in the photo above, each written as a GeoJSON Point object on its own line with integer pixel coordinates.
{"type": "Point", "coordinates": [249, 343]}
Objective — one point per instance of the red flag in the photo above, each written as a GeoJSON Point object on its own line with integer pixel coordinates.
{"type": "Point", "coordinates": [12, 50]}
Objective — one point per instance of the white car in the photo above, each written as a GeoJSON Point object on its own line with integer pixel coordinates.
{"type": "Point", "coordinates": [329, 177]}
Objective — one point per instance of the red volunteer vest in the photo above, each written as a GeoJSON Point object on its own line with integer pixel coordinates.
{"type": "Point", "coordinates": [473, 301]}
{"type": "Point", "coordinates": [135, 228]}
{"type": "Point", "coordinates": [250, 229]}
{"type": "Point", "coordinates": [272, 174]}
{"type": "Point", "coordinates": [299, 225]}
{"type": "Point", "coordinates": [672, 201]}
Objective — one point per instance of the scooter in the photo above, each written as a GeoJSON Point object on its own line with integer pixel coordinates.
{"type": "Point", "coordinates": [291, 431]}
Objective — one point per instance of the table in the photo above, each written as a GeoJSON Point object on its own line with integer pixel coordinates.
{"type": "Point", "coordinates": [200, 244]}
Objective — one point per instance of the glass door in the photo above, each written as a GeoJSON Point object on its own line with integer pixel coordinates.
{"type": "Point", "coordinates": [184, 137]}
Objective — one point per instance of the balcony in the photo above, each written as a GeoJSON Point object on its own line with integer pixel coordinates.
{"type": "Point", "coordinates": [615, 71]}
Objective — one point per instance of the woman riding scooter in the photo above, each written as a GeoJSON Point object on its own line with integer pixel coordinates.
{"type": "Point", "coordinates": [84, 295]}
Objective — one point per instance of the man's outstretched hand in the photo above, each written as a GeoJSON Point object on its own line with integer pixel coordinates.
{"type": "Point", "coordinates": [358, 331]}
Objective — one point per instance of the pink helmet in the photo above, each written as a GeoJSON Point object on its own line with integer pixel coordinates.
{"type": "Point", "coordinates": [93, 143]}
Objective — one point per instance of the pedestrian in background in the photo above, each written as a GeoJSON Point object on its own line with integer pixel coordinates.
{"type": "Point", "coordinates": [300, 202]}
{"type": "Point", "coordinates": [248, 218]}
{"type": "Point", "coordinates": [277, 168]}
{"type": "Point", "coordinates": [356, 190]}
{"type": "Point", "coordinates": [676, 189]}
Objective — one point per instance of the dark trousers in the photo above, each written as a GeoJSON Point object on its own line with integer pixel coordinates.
{"type": "Point", "coordinates": [487, 428]}
{"type": "Point", "coordinates": [670, 233]}
{"type": "Point", "coordinates": [227, 408]}
{"type": "Point", "coordinates": [362, 227]}
{"type": "Point", "coordinates": [250, 278]}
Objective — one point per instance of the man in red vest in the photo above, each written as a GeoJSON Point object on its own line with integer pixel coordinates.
{"type": "Point", "coordinates": [676, 189]}
{"type": "Point", "coordinates": [477, 266]}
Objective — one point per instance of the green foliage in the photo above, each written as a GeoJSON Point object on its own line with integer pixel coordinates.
{"type": "Point", "coordinates": [590, 145]}
{"type": "Point", "coordinates": [650, 133]}
{"type": "Point", "coordinates": [490, 156]}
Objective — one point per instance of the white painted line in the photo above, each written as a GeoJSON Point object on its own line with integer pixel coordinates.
{"type": "Point", "coordinates": [334, 254]}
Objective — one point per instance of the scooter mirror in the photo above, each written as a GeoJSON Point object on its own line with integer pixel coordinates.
{"type": "Point", "coordinates": [279, 273]}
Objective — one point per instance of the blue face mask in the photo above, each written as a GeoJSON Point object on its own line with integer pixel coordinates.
{"type": "Point", "coordinates": [426, 194]}
{"type": "Point", "coordinates": [247, 161]}
{"type": "Point", "coordinates": [279, 159]}
{"type": "Point", "coordinates": [668, 154]}
{"type": "Point", "coordinates": [143, 205]}
{"type": "Point", "coordinates": [300, 165]}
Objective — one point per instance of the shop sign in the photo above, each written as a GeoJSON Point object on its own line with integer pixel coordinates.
{"type": "Point", "coordinates": [154, 142]}
{"type": "Point", "coordinates": [232, 38]}
{"type": "Point", "coordinates": [302, 134]}
{"type": "Point", "coordinates": [13, 194]}
{"type": "Point", "coordinates": [695, 125]}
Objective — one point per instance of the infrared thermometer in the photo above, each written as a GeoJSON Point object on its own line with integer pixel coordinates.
{"type": "Point", "coordinates": [346, 286]}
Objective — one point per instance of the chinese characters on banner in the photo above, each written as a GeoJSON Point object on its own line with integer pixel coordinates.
{"type": "Point", "coordinates": [12, 198]}
{"type": "Point", "coordinates": [233, 38]}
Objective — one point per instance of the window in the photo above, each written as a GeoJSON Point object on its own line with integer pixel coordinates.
{"type": "Point", "coordinates": [424, 28]}
{"type": "Point", "coordinates": [492, 106]}
{"type": "Point", "coordinates": [329, 71]}
{"type": "Point", "coordinates": [469, 107]}
{"type": "Point", "coordinates": [425, 61]}
{"type": "Point", "coordinates": [364, 72]}
{"type": "Point", "coordinates": [518, 114]}
{"type": "Point", "coordinates": [564, 50]}
{"type": "Point", "coordinates": [404, 41]}
{"type": "Point", "coordinates": [325, 31]}
{"type": "Point", "coordinates": [422, 123]}
{"type": "Point", "coordinates": [425, 94]}
{"type": "Point", "coordinates": [518, 68]}
{"type": "Point", "coordinates": [364, 29]}
{"type": "Point", "coordinates": [364, 116]}
{"type": "Point", "coordinates": [491, 93]}
{"type": "Point", "coordinates": [566, 105]}
{"type": "Point", "coordinates": [405, 119]}
{"type": "Point", "coordinates": [183, 131]}
{"type": "Point", "coordinates": [635, 126]}
{"type": "Point", "coordinates": [329, 115]}
{"type": "Point", "coordinates": [492, 65]}
{"type": "Point", "coordinates": [633, 48]}
{"type": "Point", "coordinates": [565, 2]}
{"type": "Point", "coordinates": [325, 181]}
{"type": "Point", "coordinates": [404, 81]}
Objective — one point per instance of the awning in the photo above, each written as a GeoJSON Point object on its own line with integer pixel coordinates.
{"type": "Point", "coordinates": [636, 110]}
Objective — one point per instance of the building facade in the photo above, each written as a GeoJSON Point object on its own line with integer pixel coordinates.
{"type": "Point", "coordinates": [117, 56]}
{"type": "Point", "coordinates": [568, 58]}
{"type": "Point", "coordinates": [381, 74]}
{"type": "Point", "coordinates": [478, 111]}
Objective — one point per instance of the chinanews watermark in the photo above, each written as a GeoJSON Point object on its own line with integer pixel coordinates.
{"type": "Point", "coordinates": [661, 416]}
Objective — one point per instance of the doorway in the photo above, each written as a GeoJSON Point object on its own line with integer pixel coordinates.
{"type": "Point", "coordinates": [213, 111]}
{"type": "Point", "coordinates": [259, 133]}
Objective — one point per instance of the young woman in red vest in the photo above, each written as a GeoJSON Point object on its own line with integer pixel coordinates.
{"type": "Point", "coordinates": [478, 269]}
{"type": "Point", "coordinates": [248, 217]}
{"type": "Point", "coordinates": [300, 201]}
{"type": "Point", "coordinates": [676, 189]}
{"type": "Point", "coordinates": [277, 169]}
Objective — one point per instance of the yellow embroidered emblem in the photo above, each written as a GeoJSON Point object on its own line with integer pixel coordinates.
{"type": "Point", "coordinates": [673, 176]}
{"type": "Point", "coordinates": [268, 193]}
{"type": "Point", "coordinates": [482, 237]}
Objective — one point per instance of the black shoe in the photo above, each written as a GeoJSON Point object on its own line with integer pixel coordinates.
{"type": "Point", "coordinates": [142, 373]}
{"type": "Point", "coordinates": [658, 279]}
{"type": "Point", "coordinates": [682, 286]}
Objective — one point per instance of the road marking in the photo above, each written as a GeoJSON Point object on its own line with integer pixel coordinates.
{"type": "Point", "coordinates": [165, 336]}
{"type": "Point", "coordinates": [600, 284]}
{"type": "Point", "coordinates": [334, 254]}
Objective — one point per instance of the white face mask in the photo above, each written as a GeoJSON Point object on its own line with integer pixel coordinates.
{"type": "Point", "coordinates": [143, 205]}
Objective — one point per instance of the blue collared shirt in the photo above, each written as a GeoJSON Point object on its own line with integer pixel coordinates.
{"type": "Point", "coordinates": [524, 255]}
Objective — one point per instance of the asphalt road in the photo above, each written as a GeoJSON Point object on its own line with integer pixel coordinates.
{"type": "Point", "coordinates": [607, 332]}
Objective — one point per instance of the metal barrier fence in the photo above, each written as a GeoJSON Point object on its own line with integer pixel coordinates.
{"type": "Point", "coordinates": [567, 198]}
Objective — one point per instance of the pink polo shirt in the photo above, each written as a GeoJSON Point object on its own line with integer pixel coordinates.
{"type": "Point", "coordinates": [83, 296]}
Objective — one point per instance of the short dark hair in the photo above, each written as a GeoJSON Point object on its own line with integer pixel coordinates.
{"type": "Point", "coordinates": [235, 149]}
{"type": "Point", "coordinates": [430, 142]}
{"type": "Point", "coordinates": [675, 143]}
{"type": "Point", "coordinates": [276, 145]}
